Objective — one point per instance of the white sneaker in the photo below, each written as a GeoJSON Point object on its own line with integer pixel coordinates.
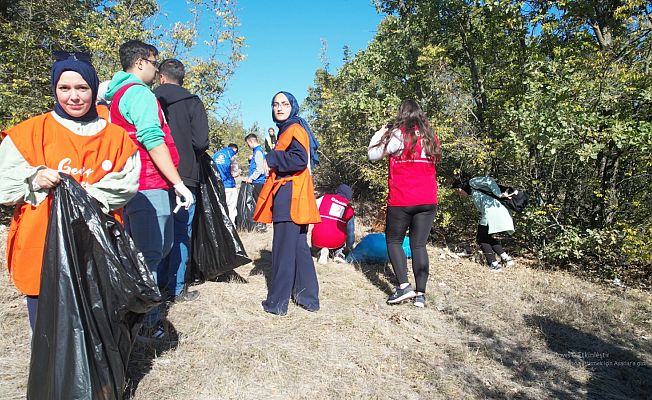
{"type": "Point", "coordinates": [508, 262]}
{"type": "Point", "coordinates": [495, 267]}
{"type": "Point", "coordinates": [339, 257]}
{"type": "Point", "coordinates": [420, 300]}
{"type": "Point", "coordinates": [323, 256]}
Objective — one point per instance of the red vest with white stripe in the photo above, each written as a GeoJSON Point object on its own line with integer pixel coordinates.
{"type": "Point", "coordinates": [335, 211]}
{"type": "Point", "coordinates": [412, 178]}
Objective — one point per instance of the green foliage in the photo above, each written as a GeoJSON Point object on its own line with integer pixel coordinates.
{"type": "Point", "coordinates": [30, 30]}
{"type": "Point", "coordinates": [228, 129]}
{"type": "Point", "coordinates": [552, 97]}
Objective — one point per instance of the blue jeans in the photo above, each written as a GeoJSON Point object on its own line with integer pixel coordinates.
{"type": "Point", "coordinates": [147, 220]}
{"type": "Point", "coordinates": [172, 271]}
{"type": "Point", "coordinates": [350, 234]}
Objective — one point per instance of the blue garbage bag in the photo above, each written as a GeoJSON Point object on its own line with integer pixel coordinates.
{"type": "Point", "coordinates": [372, 249]}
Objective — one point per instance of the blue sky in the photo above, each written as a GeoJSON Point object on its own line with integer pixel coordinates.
{"type": "Point", "coordinates": [283, 48]}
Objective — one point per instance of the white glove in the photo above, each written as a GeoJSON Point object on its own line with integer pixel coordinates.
{"type": "Point", "coordinates": [183, 193]}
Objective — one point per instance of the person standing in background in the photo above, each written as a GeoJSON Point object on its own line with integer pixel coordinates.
{"type": "Point", "coordinates": [188, 122]}
{"type": "Point", "coordinates": [102, 105]}
{"type": "Point", "coordinates": [270, 140]}
{"type": "Point", "coordinates": [224, 163]}
{"type": "Point", "coordinates": [257, 174]}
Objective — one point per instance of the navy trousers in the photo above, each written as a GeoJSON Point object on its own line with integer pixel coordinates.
{"type": "Point", "coordinates": [293, 271]}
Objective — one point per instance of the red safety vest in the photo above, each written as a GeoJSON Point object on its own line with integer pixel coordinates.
{"type": "Point", "coordinates": [150, 176]}
{"type": "Point", "coordinates": [412, 178]}
{"type": "Point", "coordinates": [335, 211]}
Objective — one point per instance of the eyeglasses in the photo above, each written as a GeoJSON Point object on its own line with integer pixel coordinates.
{"type": "Point", "coordinates": [155, 63]}
{"type": "Point", "coordinates": [284, 104]}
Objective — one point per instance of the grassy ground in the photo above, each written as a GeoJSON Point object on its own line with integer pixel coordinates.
{"type": "Point", "coordinates": [522, 333]}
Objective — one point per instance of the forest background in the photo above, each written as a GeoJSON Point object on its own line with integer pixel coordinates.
{"type": "Point", "coordinates": [552, 97]}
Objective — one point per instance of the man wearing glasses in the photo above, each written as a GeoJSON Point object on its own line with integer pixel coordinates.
{"type": "Point", "coordinates": [148, 214]}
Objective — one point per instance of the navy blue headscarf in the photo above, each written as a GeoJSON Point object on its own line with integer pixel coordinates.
{"type": "Point", "coordinates": [80, 64]}
{"type": "Point", "coordinates": [294, 118]}
{"type": "Point", "coordinates": [345, 191]}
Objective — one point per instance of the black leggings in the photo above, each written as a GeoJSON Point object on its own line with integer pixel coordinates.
{"type": "Point", "coordinates": [488, 244]}
{"type": "Point", "coordinates": [419, 219]}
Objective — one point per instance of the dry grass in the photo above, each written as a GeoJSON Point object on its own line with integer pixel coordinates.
{"type": "Point", "coordinates": [522, 333]}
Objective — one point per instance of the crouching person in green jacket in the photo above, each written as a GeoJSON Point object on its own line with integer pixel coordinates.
{"type": "Point", "coordinates": [494, 217]}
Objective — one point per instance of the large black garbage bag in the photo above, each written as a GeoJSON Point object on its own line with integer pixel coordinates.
{"type": "Point", "coordinates": [95, 289]}
{"type": "Point", "coordinates": [246, 207]}
{"type": "Point", "coordinates": [215, 245]}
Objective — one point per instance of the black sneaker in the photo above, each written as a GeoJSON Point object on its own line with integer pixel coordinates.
{"type": "Point", "coordinates": [186, 295]}
{"type": "Point", "coordinates": [400, 295]}
{"type": "Point", "coordinates": [420, 300]}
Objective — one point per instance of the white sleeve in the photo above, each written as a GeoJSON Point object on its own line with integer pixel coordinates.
{"type": "Point", "coordinates": [376, 151]}
{"type": "Point", "coordinates": [115, 189]}
{"type": "Point", "coordinates": [17, 177]}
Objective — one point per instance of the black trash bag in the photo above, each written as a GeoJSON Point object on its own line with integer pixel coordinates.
{"type": "Point", "coordinates": [517, 203]}
{"type": "Point", "coordinates": [246, 207]}
{"type": "Point", "coordinates": [215, 245]}
{"type": "Point", "coordinates": [95, 290]}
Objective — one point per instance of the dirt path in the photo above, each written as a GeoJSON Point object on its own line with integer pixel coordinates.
{"type": "Point", "coordinates": [521, 333]}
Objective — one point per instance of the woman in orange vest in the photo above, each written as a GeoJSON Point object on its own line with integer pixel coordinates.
{"type": "Point", "coordinates": [71, 139]}
{"type": "Point", "coordinates": [288, 191]}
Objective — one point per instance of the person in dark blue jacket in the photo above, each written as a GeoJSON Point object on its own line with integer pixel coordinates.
{"type": "Point", "coordinates": [223, 161]}
{"type": "Point", "coordinates": [256, 174]}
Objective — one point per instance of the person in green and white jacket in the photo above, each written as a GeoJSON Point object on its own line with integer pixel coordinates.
{"type": "Point", "coordinates": [494, 217]}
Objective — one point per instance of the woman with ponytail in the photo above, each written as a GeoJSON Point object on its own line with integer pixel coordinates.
{"type": "Point", "coordinates": [413, 151]}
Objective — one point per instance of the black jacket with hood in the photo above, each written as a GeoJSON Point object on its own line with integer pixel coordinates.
{"type": "Point", "coordinates": [188, 122]}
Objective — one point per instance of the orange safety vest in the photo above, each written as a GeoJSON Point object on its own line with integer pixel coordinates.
{"type": "Point", "coordinates": [44, 141]}
{"type": "Point", "coordinates": [303, 208]}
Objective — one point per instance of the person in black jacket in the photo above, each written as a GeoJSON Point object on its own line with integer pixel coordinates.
{"type": "Point", "coordinates": [188, 122]}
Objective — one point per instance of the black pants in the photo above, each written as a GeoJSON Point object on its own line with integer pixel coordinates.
{"type": "Point", "coordinates": [419, 220]}
{"type": "Point", "coordinates": [258, 187]}
{"type": "Point", "coordinates": [488, 244]}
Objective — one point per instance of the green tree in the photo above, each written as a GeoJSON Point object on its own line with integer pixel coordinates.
{"type": "Point", "coordinates": [550, 96]}
{"type": "Point", "coordinates": [30, 30]}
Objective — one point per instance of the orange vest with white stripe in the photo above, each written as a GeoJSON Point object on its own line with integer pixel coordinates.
{"type": "Point", "coordinates": [303, 208]}
{"type": "Point", "coordinates": [42, 141]}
